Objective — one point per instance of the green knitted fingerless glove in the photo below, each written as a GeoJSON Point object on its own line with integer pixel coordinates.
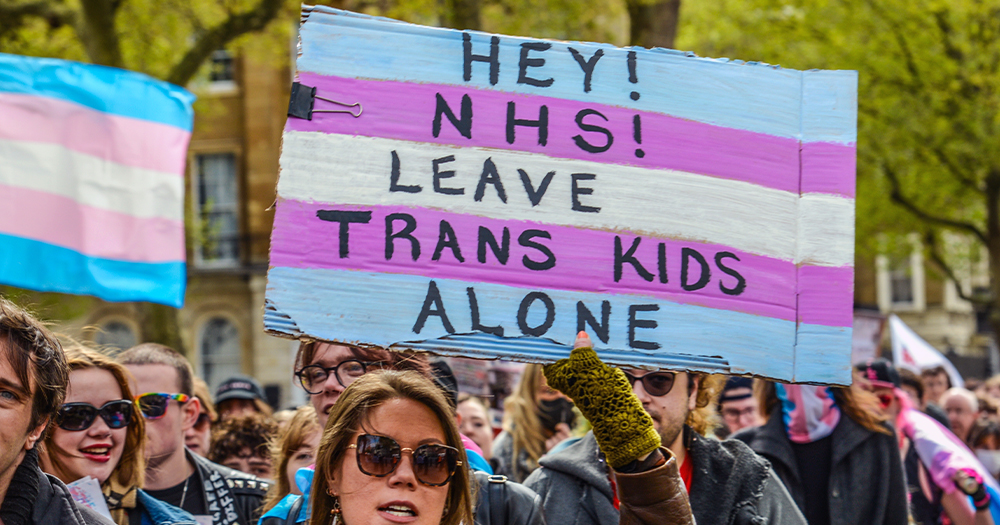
{"type": "Point", "coordinates": [624, 431]}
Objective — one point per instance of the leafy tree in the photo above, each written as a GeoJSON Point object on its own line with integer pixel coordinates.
{"type": "Point", "coordinates": [927, 109]}
{"type": "Point", "coordinates": [167, 39]}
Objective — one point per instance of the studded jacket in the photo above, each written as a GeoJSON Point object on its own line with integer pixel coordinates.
{"type": "Point", "coordinates": [231, 496]}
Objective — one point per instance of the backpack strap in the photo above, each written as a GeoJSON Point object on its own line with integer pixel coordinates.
{"type": "Point", "coordinates": [498, 499]}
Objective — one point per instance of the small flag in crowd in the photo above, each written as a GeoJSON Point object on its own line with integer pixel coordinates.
{"type": "Point", "coordinates": [910, 351]}
{"type": "Point", "coordinates": [92, 180]}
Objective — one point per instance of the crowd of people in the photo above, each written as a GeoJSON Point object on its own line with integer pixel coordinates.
{"type": "Point", "coordinates": [388, 438]}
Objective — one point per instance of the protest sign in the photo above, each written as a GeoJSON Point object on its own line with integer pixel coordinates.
{"type": "Point", "coordinates": [497, 194]}
{"type": "Point", "coordinates": [92, 172]}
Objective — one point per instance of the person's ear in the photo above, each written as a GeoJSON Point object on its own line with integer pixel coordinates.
{"type": "Point", "coordinates": [190, 411]}
{"type": "Point", "coordinates": [695, 382]}
{"type": "Point", "coordinates": [35, 434]}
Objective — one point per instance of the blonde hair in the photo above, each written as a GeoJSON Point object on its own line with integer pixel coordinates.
{"type": "Point", "coordinates": [520, 417]}
{"type": "Point", "coordinates": [204, 395]}
{"type": "Point", "coordinates": [355, 405]}
{"type": "Point", "coordinates": [289, 439]}
{"type": "Point", "coordinates": [131, 467]}
{"type": "Point", "coordinates": [704, 419]}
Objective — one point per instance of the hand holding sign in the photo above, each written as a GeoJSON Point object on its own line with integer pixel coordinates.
{"type": "Point", "coordinates": [624, 431]}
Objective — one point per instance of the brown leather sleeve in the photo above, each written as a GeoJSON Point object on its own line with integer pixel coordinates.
{"type": "Point", "coordinates": [656, 496]}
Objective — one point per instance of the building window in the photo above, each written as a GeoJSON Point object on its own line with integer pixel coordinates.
{"type": "Point", "coordinates": [218, 211]}
{"type": "Point", "coordinates": [115, 334]}
{"type": "Point", "coordinates": [221, 67]}
{"type": "Point", "coordinates": [220, 351]}
{"type": "Point", "coordinates": [900, 280]}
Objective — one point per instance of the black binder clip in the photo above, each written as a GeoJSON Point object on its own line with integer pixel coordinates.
{"type": "Point", "coordinates": [304, 98]}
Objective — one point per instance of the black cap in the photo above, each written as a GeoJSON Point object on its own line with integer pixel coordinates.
{"type": "Point", "coordinates": [735, 383]}
{"type": "Point", "coordinates": [880, 372]}
{"type": "Point", "coordinates": [239, 387]}
{"type": "Point", "coordinates": [445, 380]}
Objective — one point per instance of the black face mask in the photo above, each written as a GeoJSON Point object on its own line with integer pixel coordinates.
{"type": "Point", "coordinates": [556, 411]}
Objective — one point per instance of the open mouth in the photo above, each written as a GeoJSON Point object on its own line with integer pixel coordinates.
{"type": "Point", "coordinates": [403, 511]}
{"type": "Point", "coordinates": [97, 452]}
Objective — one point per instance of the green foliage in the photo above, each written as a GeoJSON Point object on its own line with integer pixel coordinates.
{"type": "Point", "coordinates": [927, 105]}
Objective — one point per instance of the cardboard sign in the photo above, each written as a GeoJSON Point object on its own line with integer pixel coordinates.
{"type": "Point", "coordinates": [498, 194]}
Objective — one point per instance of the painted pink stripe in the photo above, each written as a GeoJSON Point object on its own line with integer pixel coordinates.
{"type": "Point", "coordinates": [91, 231]}
{"type": "Point", "coordinates": [584, 258]}
{"type": "Point", "coordinates": [405, 111]}
{"type": "Point", "coordinates": [826, 295]}
{"type": "Point", "coordinates": [122, 140]}
{"type": "Point", "coordinates": [828, 168]}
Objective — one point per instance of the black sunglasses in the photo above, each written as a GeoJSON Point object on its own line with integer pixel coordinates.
{"type": "Point", "coordinates": [433, 465]}
{"type": "Point", "coordinates": [656, 384]}
{"type": "Point", "coordinates": [313, 377]}
{"type": "Point", "coordinates": [75, 417]}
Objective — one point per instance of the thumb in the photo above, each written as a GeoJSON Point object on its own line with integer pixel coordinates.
{"type": "Point", "coordinates": [582, 341]}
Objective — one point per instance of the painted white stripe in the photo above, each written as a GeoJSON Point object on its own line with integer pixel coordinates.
{"type": "Point", "coordinates": [356, 170]}
{"type": "Point", "coordinates": [826, 225]}
{"type": "Point", "coordinates": [92, 181]}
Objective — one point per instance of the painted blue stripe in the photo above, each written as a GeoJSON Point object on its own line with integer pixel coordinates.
{"type": "Point", "coordinates": [36, 265]}
{"type": "Point", "coordinates": [111, 90]}
{"type": "Point", "coordinates": [823, 354]}
{"type": "Point", "coordinates": [381, 309]}
{"type": "Point", "coordinates": [733, 94]}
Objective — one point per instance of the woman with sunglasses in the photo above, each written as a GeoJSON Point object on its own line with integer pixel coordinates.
{"type": "Point", "coordinates": [391, 453]}
{"type": "Point", "coordinates": [98, 432]}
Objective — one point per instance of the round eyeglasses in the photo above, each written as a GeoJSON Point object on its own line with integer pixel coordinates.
{"type": "Point", "coordinates": [313, 377]}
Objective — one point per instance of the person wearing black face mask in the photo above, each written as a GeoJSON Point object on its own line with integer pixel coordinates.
{"type": "Point", "coordinates": [536, 419]}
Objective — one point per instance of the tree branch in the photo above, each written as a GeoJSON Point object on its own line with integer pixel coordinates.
{"type": "Point", "coordinates": [902, 200]}
{"type": "Point", "coordinates": [934, 249]}
{"type": "Point", "coordinates": [911, 63]}
{"type": "Point", "coordinates": [14, 15]}
{"type": "Point", "coordinates": [220, 35]}
{"type": "Point", "coordinates": [955, 170]}
{"type": "Point", "coordinates": [98, 34]}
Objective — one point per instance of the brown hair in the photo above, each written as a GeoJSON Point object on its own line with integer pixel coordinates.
{"type": "Point", "coordinates": [396, 360]}
{"type": "Point", "coordinates": [232, 435]}
{"type": "Point", "coordinates": [520, 417]}
{"type": "Point", "coordinates": [131, 468]}
{"type": "Point", "coordinates": [935, 371]}
{"type": "Point", "coordinates": [289, 439]}
{"type": "Point", "coordinates": [347, 419]}
{"type": "Point", "coordinates": [859, 405]}
{"type": "Point", "coordinates": [204, 394]}
{"type": "Point", "coordinates": [34, 353]}
{"type": "Point", "coordinates": [704, 419]}
{"type": "Point", "coordinates": [157, 354]}
{"type": "Point", "coordinates": [910, 379]}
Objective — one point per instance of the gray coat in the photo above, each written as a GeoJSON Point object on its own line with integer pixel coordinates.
{"type": "Point", "coordinates": [575, 490]}
{"type": "Point", "coordinates": [867, 483]}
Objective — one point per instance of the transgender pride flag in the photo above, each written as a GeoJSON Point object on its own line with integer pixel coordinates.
{"type": "Point", "coordinates": [92, 180]}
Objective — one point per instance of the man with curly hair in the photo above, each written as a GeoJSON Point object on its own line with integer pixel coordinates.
{"type": "Point", "coordinates": [241, 443]}
{"type": "Point", "coordinates": [726, 482]}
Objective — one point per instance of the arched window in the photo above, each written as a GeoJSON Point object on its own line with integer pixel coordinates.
{"type": "Point", "coordinates": [220, 350]}
{"type": "Point", "coordinates": [115, 334]}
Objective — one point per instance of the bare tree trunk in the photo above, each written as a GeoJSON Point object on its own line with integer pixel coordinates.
{"type": "Point", "coordinates": [653, 24]}
{"type": "Point", "coordinates": [97, 31]}
{"type": "Point", "coordinates": [462, 14]}
{"type": "Point", "coordinates": [159, 324]}
{"type": "Point", "coordinates": [993, 248]}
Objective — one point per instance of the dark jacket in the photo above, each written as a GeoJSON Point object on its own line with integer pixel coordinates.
{"type": "Point", "coordinates": [503, 460]}
{"type": "Point", "coordinates": [231, 496]}
{"type": "Point", "coordinates": [36, 498]}
{"type": "Point", "coordinates": [503, 502]}
{"type": "Point", "coordinates": [730, 485]}
{"type": "Point", "coordinates": [866, 473]}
